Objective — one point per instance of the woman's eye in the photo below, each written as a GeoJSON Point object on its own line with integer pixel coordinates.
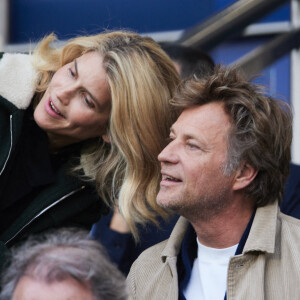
{"type": "Point", "coordinates": [72, 73]}
{"type": "Point", "coordinates": [89, 102]}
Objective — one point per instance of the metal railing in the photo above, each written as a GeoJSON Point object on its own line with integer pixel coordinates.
{"type": "Point", "coordinates": [228, 23]}
{"type": "Point", "coordinates": [263, 56]}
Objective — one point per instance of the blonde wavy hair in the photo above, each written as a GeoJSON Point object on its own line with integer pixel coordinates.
{"type": "Point", "coordinates": [142, 79]}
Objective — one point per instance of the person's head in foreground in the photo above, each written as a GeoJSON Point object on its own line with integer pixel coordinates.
{"type": "Point", "coordinates": [62, 265]}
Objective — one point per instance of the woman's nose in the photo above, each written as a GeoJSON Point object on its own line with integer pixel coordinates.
{"type": "Point", "coordinates": [65, 94]}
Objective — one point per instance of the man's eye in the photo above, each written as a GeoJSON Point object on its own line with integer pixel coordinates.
{"type": "Point", "coordinates": [192, 146]}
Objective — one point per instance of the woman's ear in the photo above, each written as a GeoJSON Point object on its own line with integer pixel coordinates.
{"type": "Point", "coordinates": [244, 176]}
{"type": "Point", "coordinates": [105, 138]}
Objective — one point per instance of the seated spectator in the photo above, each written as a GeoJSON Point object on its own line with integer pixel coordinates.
{"type": "Point", "coordinates": [224, 172]}
{"type": "Point", "coordinates": [62, 265]}
{"type": "Point", "coordinates": [74, 119]}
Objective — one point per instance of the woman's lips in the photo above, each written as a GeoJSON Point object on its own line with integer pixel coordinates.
{"type": "Point", "coordinates": [52, 110]}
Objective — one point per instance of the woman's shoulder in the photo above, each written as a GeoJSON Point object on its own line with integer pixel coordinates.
{"type": "Point", "coordinates": [17, 79]}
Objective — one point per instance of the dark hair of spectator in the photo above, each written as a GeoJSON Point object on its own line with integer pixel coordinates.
{"type": "Point", "coordinates": [192, 61]}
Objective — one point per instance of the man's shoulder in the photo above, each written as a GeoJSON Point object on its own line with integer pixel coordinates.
{"type": "Point", "coordinates": [150, 275]}
{"type": "Point", "coordinates": [157, 257]}
{"type": "Point", "coordinates": [289, 221]}
{"type": "Point", "coordinates": [167, 248]}
{"type": "Point", "coordinates": [152, 254]}
{"type": "Point", "coordinates": [290, 230]}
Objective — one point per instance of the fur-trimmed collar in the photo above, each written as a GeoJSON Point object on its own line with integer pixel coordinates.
{"type": "Point", "coordinates": [17, 79]}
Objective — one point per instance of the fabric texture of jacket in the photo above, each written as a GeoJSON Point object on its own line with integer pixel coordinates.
{"type": "Point", "coordinates": [67, 201]}
{"type": "Point", "coordinates": [268, 268]}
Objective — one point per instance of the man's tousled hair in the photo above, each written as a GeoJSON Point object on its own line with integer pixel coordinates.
{"type": "Point", "coordinates": [261, 128]}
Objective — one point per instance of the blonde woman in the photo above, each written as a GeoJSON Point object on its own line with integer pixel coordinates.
{"type": "Point", "coordinates": [94, 112]}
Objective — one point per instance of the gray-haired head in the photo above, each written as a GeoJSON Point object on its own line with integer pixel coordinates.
{"type": "Point", "coordinates": [65, 254]}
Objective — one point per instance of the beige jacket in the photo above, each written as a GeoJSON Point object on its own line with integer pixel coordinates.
{"type": "Point", "coordinates": [268, 268]}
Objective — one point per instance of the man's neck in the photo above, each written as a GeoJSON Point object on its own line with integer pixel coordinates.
{"type": "Point", "coordinates": [225, 229]}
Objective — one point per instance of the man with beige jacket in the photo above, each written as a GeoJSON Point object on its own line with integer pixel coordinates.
{"type": "Point", "coordinates": [224, 172]}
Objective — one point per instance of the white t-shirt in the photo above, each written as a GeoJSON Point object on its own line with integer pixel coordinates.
{"type": "Point", "coordinates": [209, 273]}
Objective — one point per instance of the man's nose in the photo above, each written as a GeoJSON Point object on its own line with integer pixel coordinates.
{"type": "Point", "coordinates": [169, 153]}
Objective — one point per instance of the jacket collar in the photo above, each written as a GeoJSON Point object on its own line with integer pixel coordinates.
{"type": "Point", "coordinates": [17, 79]}
{"type": "Point", "coordinates": [174, 242]}
{"type": "Point", "coordinates": [263, 231]}
{"type": "Point", "coordinates": [261, 236]}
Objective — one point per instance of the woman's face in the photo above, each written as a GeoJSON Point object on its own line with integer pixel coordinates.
{"type": "Point", "coordinates": [77, 102]}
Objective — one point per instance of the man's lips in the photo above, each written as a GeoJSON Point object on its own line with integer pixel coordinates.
{"type": "Point", "coordinates": [167, 178]}
{"type": "Point", "coordinates": [170, 178]}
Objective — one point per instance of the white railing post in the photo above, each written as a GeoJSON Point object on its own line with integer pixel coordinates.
{"type": "Point", "coordinates": [4, 23]}
{"type": "Point", "coordinates": [295, 85]}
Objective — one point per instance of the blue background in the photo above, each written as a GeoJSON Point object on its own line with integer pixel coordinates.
{"type": "Point", "coordinates": [30, 20]}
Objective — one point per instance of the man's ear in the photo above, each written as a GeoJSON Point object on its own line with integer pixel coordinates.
{"type": "Point", "coordinates": [105, 138]}
{"type": "Point", "coordinates": [244, 176]}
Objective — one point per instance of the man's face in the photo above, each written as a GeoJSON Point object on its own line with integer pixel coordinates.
{"type": "Point", "coordinates": [34, 289]}
{"type": "Point", "coordinates": [192, 164]}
